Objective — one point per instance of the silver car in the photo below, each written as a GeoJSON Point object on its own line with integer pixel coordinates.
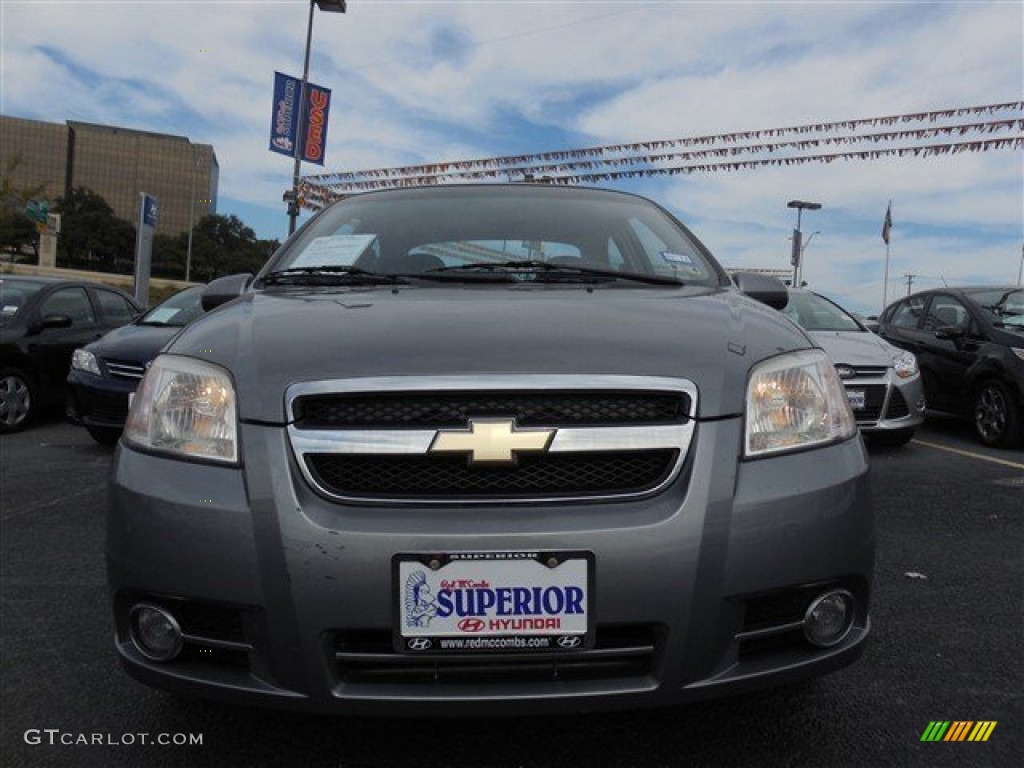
{"type": "Point", "coordinates": [882, 381]}
{"type": "Point", "coordinates": [502, 449]}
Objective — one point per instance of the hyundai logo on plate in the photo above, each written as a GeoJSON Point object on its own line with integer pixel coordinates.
{"type": "Point", "coordinates": [419, 644]}
{"type": "Point", "coordinates": [570, 641]}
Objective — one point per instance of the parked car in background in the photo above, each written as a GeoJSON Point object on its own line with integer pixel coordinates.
{"type": "Point", "coordinates": [882, 381]}
{"type": "Point", "coordinates": [104, 374]}
{"type": "Point", "coordinates": [42, 321]}
{"type": "Point", "coordinates": [969, 343]}
{"type": "Point", "coordinates": [489, 449]}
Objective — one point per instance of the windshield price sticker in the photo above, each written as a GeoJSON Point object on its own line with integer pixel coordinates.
{"type": "Point", "coordinates": [476, 602]}
{"type": "Point", "coordinates": [857, 399]}
{"type": "Point", "coordinates": [333, 251]}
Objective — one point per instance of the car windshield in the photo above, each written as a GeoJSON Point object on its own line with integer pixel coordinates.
{"type": "Point", "coordinates": [499, 233]}
{"type": "Point", "coordinates": [816, 313]}
{"type": "Point", "coordinates": [14, 295]}
{"type": "Point", "coordinates": [179, 310]}
{"type": "Point", "coordinates": [1005, 307]}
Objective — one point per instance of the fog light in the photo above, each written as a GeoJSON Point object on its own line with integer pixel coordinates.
{"type": "Point", "coordinates": [829, 618]}
{"type": "Point", "coordinates": [155, 632]}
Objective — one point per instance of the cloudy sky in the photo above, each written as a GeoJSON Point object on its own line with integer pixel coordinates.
{"type": "Point", "coordinates": [420, 81]}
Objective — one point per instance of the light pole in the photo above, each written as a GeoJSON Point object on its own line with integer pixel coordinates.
{"type": "Point", "coordinates": [191, 216]}
{"type": "Point", "coordinates": [328, 6]}
{"type": "Point", "coordinates": [798, 246]}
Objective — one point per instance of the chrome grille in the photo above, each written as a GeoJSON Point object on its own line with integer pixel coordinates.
{"type": "Point", "coordinates": [370, 440]}
{"type": "Point", "coordinates": [125, 370]}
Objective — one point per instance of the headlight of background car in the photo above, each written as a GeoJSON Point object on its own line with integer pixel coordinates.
{"type": "Point", "coordinates": [83, 360]}
{"type": "Point", "coordinates": [185, 407]}
{"type": "Point", "coordinates": [905, 365]}
{"type": "Point", "coordinates": [795, 401]}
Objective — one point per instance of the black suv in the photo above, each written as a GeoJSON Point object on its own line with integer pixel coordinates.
{"type": "Point", "coordinates": [969, 344]}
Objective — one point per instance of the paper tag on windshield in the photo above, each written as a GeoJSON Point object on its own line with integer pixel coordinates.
{"type": "Point", "coordinates": [161, 315]}
{"type": "Point", "coordinates": [677, 260]}
{"type": "Point", "coordinates": [333, 251]}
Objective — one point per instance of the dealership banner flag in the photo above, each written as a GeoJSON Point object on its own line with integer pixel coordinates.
{"type": "Point", "coordinates": [887, 224]}
{"type": "Point", "coordinates": [284, 123]}
{"type": "Point", "coordinates": [318, 105]}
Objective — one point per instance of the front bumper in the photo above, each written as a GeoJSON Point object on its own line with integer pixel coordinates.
{"type": "Point", "coordinates": [98, 401]}
{"type": "Point", "coordinates": [288, 598]}
{"type": "Point", "coordinates": [887, 402]}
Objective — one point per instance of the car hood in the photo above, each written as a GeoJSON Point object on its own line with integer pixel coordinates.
{"type": "Point", "coordinates": [135, 343]}
{"type": "Point", "coordinates": [856, 348]}
{"type": "Point", "coordinates": [272, 340]}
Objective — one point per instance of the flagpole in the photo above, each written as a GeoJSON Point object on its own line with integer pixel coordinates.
{"type": "Point", "coordinates": [886, 229]}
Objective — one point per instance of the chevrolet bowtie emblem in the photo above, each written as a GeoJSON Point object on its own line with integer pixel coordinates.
{"type": "Point", "coordinates": [493, 441]}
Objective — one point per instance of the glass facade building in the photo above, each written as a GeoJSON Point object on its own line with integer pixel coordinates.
{"type": "Point", "coordinates": [116, 163]}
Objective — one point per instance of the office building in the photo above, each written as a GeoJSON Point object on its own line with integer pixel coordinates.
{"type": "Point", "coordinates": [117, 164]}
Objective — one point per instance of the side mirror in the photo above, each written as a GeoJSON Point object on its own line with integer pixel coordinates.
{"type": "Point", "coordinates": [767, 290]}
{"type": "Point", "coordinates": [224, 289]}
{"type": "Point", "coordinates": [56, 321]}
{"type": "Point", "coordinates": [949, 333]}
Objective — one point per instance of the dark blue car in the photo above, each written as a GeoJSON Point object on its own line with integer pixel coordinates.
{"type": "Point", "coordinates": [104, 374]}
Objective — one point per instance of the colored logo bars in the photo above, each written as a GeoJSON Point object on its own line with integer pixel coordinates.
{"type": "Point", "coordinates": [285, 138]}
{"type": "Point", "coordinates": [958, 730]}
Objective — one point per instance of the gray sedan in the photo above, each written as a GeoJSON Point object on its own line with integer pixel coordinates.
{"type": "Point", "coordinates": [489, 449]}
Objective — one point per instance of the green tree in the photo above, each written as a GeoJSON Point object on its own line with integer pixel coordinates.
{"type": "Point", "coordinates": [17, 230]}
{"type": "Point", "coordinates": [91, 235]}
{"type": "Point", "coordinates": [224, 245]}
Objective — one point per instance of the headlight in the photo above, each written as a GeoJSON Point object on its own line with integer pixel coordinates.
{"type": "Point", "coordinates": [796, 401]}
{"type": "Point", "coordinates": [185, 407]}
{"type": "Point", "coordinates": [83, 360]}
{"type": "Point", "coordinates": [905, 365]}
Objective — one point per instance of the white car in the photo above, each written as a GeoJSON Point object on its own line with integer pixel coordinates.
{"type": "Point", "coordinates": [882, 381]}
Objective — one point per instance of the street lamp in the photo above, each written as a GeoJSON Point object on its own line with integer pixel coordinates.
{"type": "Point", "coordinates": [191, 215]}
{"type": "Point", "coordinates": [327, 6]}
{"type": "Point", "coordinates": [798, 248]}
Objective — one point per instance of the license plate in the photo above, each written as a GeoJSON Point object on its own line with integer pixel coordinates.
{"type": "Point", "coordinates": [483, 602]}
{"type": "Point", "coordinates": [856, 398]}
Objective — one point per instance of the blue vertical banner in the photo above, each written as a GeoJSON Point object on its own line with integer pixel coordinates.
{"type": "Point", "coordinates": [318, 105]}
{"type": "Point", "coordinates": [284, 123]}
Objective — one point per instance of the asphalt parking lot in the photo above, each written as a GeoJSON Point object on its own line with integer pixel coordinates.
{"type": "Point", "coordinates": [946, 646]}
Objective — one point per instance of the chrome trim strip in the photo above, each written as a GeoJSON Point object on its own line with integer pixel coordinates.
{"type": "Point", "coordinates": [511, 382]}
{"type": "Point", "coordinates": [223, 645]}
{"type": "Point", "coordinates": [417, 441]}
{"type": "Point", "coordinates": [778, 629]}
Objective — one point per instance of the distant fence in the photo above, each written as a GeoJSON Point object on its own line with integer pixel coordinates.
{"type": "Point", "coordinates": [159, 288]}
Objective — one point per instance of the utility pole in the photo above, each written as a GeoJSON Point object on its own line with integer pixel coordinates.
{"type": "Point", "coordinates": [910, 282]}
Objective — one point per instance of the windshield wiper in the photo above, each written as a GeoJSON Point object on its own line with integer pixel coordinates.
{"type": "Point", "coordinates": [534, 265]}
{"type": "Point", "coordinates": [328, 275]}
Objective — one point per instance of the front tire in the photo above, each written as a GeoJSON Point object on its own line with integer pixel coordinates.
{"type": "Point", "coordinates": [996, 415]}
{"type": "Point", "coordinates": [17, 400]}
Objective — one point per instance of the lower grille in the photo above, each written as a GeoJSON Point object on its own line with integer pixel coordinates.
{"type": "Point", "coordinates": [622, 651]}
{"type": "Point", "coordinates": [874, 401]}
{"type": "Point", "coordinates": [432, 477]}
{"type": "Point", "coordinates": [105, 408]}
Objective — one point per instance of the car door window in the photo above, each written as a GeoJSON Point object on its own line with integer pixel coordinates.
{"type": "Point", "coordinates": [72, 302]}
{"type": "Point", "coordinates": [908, 313]}
{"type": "Point", "coordinates": [947, 312]}
{"type": "Point", "coordinates": [116, 309]}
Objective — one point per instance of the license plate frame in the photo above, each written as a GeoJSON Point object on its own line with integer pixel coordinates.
{"type": "Point", "coordinates": [493, 602]}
